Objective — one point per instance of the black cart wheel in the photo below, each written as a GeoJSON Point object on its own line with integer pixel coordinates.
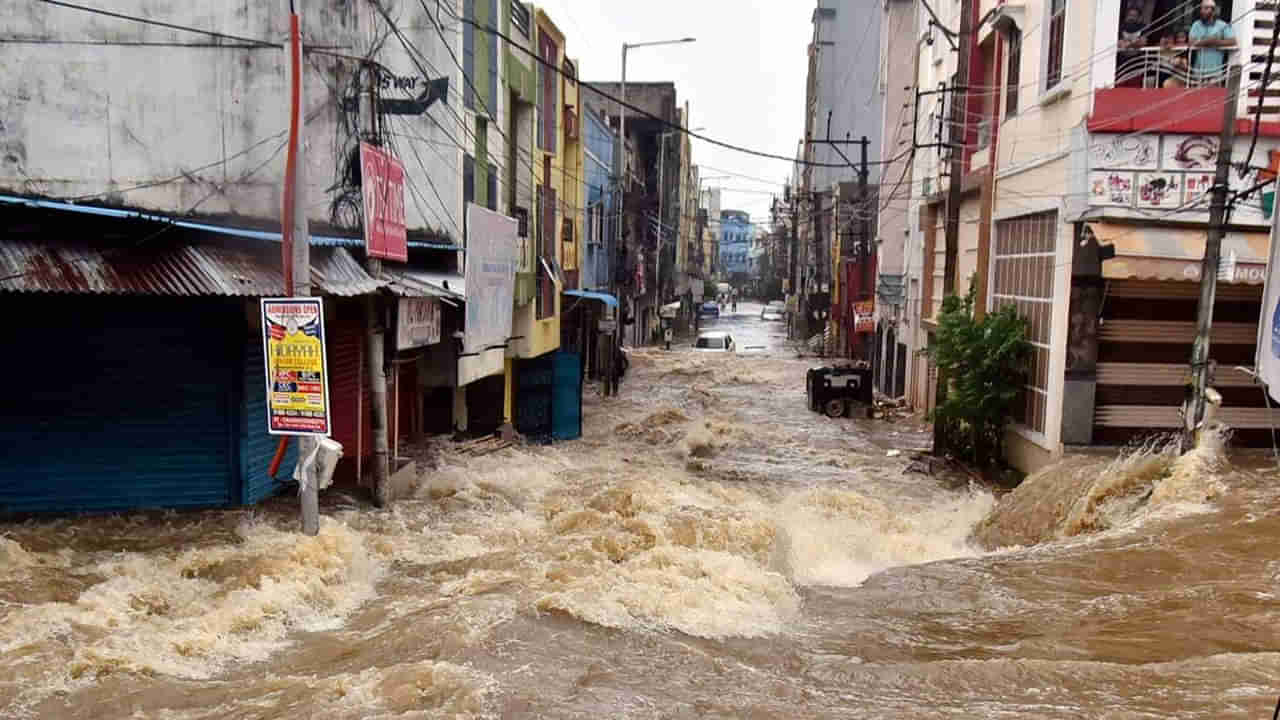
{"type": "Point", "coordinates": [834, 407]}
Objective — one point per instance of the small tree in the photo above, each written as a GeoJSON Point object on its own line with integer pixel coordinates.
{"type": "Point", "coordinates": [984, 363]}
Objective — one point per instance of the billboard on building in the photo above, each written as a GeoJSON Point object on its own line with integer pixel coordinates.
{"type": "Point", "coordinates": [417, 323]}
{"type": "Point", "coordinates": [382, 188]}
{"type": "Point", "coordinates": [1268, 348]}
{"type": "Point", "coordinates": [296, 369]}
{"type": "Point", "coordinates": [491, 259]}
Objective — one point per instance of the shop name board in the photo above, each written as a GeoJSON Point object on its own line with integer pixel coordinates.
{"type": "Point", "coordinates": [417, 323]}
{"type": "Point", "coordinates": [864, 320]}
{"type": "Point", "coordinates": [293, 345]}
{"type": "Point", "coordinates": [382, 188]}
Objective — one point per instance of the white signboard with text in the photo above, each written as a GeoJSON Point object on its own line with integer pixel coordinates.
{"type": "Point", "coordinates": [417, 323]}
{"type": "Point", "coordinates": [491, 259]}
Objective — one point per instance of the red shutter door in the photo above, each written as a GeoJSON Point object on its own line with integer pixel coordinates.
{"type": "Point", "coordinates": [346, 373]}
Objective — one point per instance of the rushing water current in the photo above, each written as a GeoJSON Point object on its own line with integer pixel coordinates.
{"type": "Point", "coordinates": [709, 549]}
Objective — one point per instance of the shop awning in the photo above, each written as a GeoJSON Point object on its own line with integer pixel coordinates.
{"type": "Point", "coordinates": [228, 269]}
{"type": "Point", "coordinates": [605, 298]}
{"type": "Point", "coordinates": [410, 282]}
{"type": "Point", "coordinates": [188, 224]}
{"type": "Point", "coordinates": [1157, 253]}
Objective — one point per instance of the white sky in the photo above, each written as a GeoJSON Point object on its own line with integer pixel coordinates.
{"type": "Point", "coordinates": [744, 78]}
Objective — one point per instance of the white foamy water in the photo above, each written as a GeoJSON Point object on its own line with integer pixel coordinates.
{"type": "Point", "coordinates": [710, 549]}
{"type": "Point", "coordinates": [840, 538]}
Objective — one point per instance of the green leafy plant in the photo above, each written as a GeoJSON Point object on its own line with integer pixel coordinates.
{"type": "Point", "coordinates": [984, 363]}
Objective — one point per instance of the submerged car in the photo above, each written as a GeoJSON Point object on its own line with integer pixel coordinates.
{"type": "Point", "coordinates": [773, 311]}
{"type": "Point", "coordinates": [709, 309]}
{"type": "Point", "coordinates": [714, 342]}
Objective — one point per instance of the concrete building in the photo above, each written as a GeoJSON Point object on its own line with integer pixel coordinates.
{"type": "Point", "coordinates": [737, 238]}
{"type": "Point", "coordinates": [1074, 158]}
{"type": "Point", "coordinates": [641, 190]}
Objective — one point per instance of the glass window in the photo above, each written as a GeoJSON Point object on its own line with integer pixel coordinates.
{"type": "Point", "coordinates": [1057, 40]}
{"type": "Point", "coordinates": [1015, 63]}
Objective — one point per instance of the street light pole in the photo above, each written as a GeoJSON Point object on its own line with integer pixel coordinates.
{"type": "Point", "coordinates": [622, 131]}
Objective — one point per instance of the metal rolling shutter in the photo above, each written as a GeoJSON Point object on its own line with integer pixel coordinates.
{"type": "Point", "coordinates": [257, 447]}
{"type": "Point", "coordinates": [1144, 345]}
{"type": "Point", "coordinates": [119, 403]}
{"type": "Point", "coordinates": [349, 403]}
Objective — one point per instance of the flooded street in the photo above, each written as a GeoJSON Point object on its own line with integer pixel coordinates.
{"type": "Point", "coordinates": [709, 549]}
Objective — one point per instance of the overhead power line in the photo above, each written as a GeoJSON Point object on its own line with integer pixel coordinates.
{"type": "Point", "coordinates": [644, 113]}
{"type": "Point", "coordinates": [159, 23]}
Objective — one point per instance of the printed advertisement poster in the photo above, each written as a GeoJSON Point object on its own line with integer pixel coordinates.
{"type": "Point", "coordinates": [297, 378]}
{"type": "Point", "coordinates": [864, 319]}
{"type": "Point", "coordinates": [490, 282]}
{"type": "Point", "coordinates": [417, 323]}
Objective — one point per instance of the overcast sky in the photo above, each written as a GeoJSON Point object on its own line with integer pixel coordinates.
{"type": "Point", "coordinates": [744, 78]}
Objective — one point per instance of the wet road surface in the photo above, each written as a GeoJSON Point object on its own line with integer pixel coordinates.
{"type": "Point", "coordinates": [709, 549]}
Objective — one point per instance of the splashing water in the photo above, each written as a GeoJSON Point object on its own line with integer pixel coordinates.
{"type": "Point", "coordinates": [1083, 495]}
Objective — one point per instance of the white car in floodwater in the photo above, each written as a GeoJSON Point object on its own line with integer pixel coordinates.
{"type": "Point", "coordinates": [714, 341]}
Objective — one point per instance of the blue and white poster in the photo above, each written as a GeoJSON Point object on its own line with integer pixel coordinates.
{"type": "Point", "coordinates": [1268, 359]}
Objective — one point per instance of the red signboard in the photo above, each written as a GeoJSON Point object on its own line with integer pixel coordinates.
{"type": "Point", "coordinates": [382, 185]}
{"type": "Point", "coordinates": [864, 318]}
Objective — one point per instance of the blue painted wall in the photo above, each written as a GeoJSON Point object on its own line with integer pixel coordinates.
{"type": "Point", "coordinates": [734, 249]}
{"type": "Point", "coordinates": [600, 146]}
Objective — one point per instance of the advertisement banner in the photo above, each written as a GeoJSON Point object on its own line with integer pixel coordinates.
{"type": "Point", "coordinates": [490, 281]}
{"type": "Point", "coordinates": [382, 187]}
{"type": "Point", "coordinates": [864, 319]}
{"type": "Point", "coordinates": [296, 368]}
{"type": "Point", "coordinates": [1268, 349]}
{"type": "Point", "coordinates": [417, 323]}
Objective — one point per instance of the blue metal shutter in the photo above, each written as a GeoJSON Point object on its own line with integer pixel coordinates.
{"type": "Point", "coordinates": [257, 447]}
{"type": "Point", "coordinates": [119, 403]}
{"type": "Point", "coordinates": [566, 403]}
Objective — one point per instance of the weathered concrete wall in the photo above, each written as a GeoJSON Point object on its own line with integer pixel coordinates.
{"type": "Point", "coordinates": [150, 117]}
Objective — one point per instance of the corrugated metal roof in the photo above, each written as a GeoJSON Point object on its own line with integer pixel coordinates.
{"type": "Point", "coordinates": [419, 283]}
{"type": "Point", "coordinates": [206, 269]}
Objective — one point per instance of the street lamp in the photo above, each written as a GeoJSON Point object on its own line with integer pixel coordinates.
{"type": "Point", "coordinates": [622, 129]}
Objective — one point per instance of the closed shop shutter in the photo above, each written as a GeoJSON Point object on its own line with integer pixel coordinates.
{"type": "Point", "coordinates": [120, 403]}
{"type": "Point", "coordinates": [257, 447]}
{"type": "Point", "coordinates": [349, 404]}
{"type": "Point", "coordinates": [1144, 347]}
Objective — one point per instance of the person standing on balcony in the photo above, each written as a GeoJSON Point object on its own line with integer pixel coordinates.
{"type": "Point", "coordinates": [1210, 34]}
{"type": "Point", "coordinates": [1131, 71]}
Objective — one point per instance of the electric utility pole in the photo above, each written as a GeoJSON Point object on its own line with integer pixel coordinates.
{"type": "Point", "coordinates": [866, 246]}
{"type": "Point", "coordinates": [1209, 265]}
{"type": "Point", "coordinates": [959, 124]}
{"type": "Point", "coordinates": [296, 247]}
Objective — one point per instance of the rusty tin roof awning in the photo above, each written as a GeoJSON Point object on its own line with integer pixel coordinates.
{"type": "Point", "coordinates": [413, 282]}
{"type": "Point", "coordinates": [184, 269]}
{"type": "Point", "coordinates": [1145, 252]}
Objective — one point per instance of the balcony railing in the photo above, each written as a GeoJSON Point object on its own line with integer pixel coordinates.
{"type": "Point", "coordinates": [1156, 66]}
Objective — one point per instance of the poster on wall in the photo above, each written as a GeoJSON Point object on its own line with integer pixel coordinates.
{"type": "Point", "coordinates": [417, 323]}
{"type": "Point", "coordinates": [864, 319]}
{"type": "Point", "coordinates": [1136, 152]}
{"type": "Point", "coordinates": [1111, 188]}
{"type": "Point", "coordinates": [490, 275]}
{"type": "Point", "coordinates": [1159, 190]}
{"type": "Point", "coordinates": [296, 368]}
{"type": "Point", "coordinates": [1195, 189]}
{"type": "Point", "coordinates": [1189, 152]}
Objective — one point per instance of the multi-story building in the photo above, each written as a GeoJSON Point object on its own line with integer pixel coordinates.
{"type": "Point", "coordinates": [737, 235]}
{"type": "Point", "coordinates": [652, 153]}
{"type": "Point", "coordinates": [1086, 172]}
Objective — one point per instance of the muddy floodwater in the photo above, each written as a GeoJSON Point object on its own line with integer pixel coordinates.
{"type": "Point", "coordinates": [709, 549]}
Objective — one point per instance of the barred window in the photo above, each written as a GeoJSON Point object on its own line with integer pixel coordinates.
{"type": "Point", "coordinates": [1022, 272]}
